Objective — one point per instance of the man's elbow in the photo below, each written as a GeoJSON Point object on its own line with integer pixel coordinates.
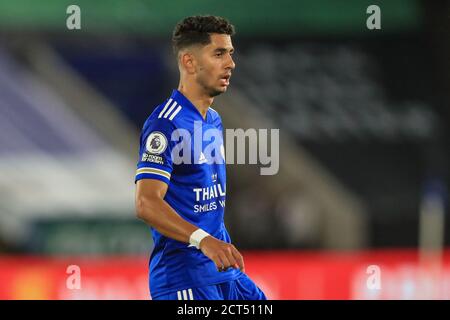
{"type": "Point", "coordinates": [145, 209]}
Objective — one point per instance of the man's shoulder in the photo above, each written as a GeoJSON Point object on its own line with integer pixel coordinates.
{"type": "Point", "coordinates": [167, 115]}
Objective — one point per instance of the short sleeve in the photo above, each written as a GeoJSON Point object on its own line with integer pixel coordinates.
{"type": "Point", "coordinates": [155, 153]}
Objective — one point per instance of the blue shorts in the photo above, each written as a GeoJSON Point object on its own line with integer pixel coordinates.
{"type": "Point", "coordinates": [242, 288]}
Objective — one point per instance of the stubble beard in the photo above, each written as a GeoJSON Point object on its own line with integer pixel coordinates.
{"type": "Point", "coordinates": [210, 90]}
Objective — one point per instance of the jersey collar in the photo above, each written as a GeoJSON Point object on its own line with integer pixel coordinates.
{"type": "Point", "coordinates": [182, 100]}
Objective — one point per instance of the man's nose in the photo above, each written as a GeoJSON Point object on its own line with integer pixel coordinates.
{"type": "Point", "coordinates": [231, 65]}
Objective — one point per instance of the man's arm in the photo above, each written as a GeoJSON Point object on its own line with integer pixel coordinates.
{"type": "Point", "coordinates": [156, 212]}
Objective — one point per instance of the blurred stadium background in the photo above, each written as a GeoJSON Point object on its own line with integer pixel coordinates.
{"type": "Point", "coordinates": [364, 145]}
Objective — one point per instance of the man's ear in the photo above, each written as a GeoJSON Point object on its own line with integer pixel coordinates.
{"type": "Point", "coordinates": [187, 61]}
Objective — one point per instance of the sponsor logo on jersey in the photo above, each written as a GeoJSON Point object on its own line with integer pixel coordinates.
{"type": "Point", "coordinates": [152, 158]}
{"type": "Point", "coordinates": [209, 193]}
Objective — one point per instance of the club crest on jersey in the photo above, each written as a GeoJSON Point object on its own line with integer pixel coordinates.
{"type": "Point", "coordinates": [156, 143]}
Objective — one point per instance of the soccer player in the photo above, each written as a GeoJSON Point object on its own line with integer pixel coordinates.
{"type": "Point", "coordinates": [184, 201]}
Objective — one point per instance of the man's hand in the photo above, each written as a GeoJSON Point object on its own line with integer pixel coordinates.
{"type": "Point", "coordinates": [224, 255]}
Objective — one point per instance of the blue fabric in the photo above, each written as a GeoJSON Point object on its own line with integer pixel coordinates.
{"type": "Point", "coordinates": [242, 288]}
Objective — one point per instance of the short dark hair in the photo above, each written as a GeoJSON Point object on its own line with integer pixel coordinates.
{"type": "Point", "coordinates": [197, 29]}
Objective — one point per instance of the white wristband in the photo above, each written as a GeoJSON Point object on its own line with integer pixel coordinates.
{"type": "Point", "coordinates": [197, 236]}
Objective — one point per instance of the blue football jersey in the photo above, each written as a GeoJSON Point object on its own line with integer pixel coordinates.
{"type": "Point", "coordinates": [181, 148]}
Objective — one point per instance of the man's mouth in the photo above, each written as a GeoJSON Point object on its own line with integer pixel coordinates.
{"type": "Point", "coordinates": [225, 79]}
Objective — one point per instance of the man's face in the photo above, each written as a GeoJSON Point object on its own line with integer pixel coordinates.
{"type": "Point", "coordinates": [215, 64]}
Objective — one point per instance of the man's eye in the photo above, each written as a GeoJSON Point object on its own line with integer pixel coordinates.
{"type": "Point", "coordinates": [218, 54]}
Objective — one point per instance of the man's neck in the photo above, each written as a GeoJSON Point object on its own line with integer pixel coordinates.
{"type": "Point", "coordinates": [199, 99]}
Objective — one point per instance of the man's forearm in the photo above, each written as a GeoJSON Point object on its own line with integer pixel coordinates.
{"type": "Point", "coordinates": [160, 215]}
